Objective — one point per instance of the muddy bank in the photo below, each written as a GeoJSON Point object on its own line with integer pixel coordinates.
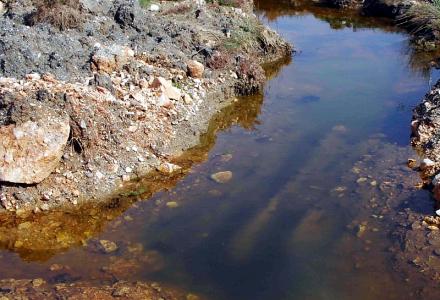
{"type": "Point", "coordinates": [87, 106]}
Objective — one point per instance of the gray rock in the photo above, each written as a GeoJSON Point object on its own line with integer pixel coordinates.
{"type": "Point", "coordinates": [97, 6]}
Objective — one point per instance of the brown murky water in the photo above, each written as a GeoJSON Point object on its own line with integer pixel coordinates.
{"type": "Point", "coordinates": [318, 172]}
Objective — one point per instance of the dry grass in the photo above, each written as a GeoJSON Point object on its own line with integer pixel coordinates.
{"type": "Point", "coordinates": [219, 60]}
{"type": "Point", "coordinates": [422, 17]}
{"type": "Point", "coordinates": [232, 3]}
{"type": "Point", "coordinates": [63, 14]}
{"type": "Point", "coordinates": [178, 8]}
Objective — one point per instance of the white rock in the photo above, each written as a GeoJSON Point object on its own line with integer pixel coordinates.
{"type": "Point", "coordinates": [2, 8]}
{"type": "Point", "coordinates": [99, 175]}
{"type": "Point", "coordinates": [436, 180]}
{"type": "Point", "coordinates": [33, 154]}
{"type": "Point", "coordinates": [437, 212]}
{"type": "Point", "coordinates": [426, 163]}
{"type": "Point", "coordinates": [154, 7]}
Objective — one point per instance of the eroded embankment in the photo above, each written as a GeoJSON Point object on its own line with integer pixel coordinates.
{"type": "Point", "coordinates": [88, 105]}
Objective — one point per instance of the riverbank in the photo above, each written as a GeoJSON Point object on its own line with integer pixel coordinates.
{"type": "Point", "coordinates": [90, 105]}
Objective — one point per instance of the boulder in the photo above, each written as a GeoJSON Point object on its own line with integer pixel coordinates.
{"type": "Point", "coordinates": [29, 152]}
{"type": "Point", "coordinates": [195, 69]}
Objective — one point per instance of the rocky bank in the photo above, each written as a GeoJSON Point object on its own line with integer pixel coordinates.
{"type": "Point", "coordinates": [112, 90]}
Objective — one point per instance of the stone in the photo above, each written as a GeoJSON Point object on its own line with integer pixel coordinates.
{"type": "Point", "coordinates": [426, 163]}
{"type": "Point", "coordinates": [154, 7]}
{"type": "Point", "coordinates": [100, 7]}
{"type": "Point", "coordinates": [361, 180]}
{"type": "Point", "coordinates": [104, 80]}
{"type": "Point", "coordinates": [38, 282]}
{"type": "Point", "coordinates": [167, 88]}
{"type": "Point", "coordinates": [31, 151]}
{"type": "Point", "coordinates": [361, 230]}
{"type": "Point", "coordinates": [113, 58]}
{"type": "Point", "coordinates": [2, 8]}
{"type": "Point", "coordinates": [195, 69]}
{"type": "Point", "coordinates": [187, 99]}
{"type": "Point", "coordinates": [126, 14]}
{"type": "Point", "coordinates": [411, 163]}
{"type": "Point", "coordinates": [436, 180]}
{"type": "Point", "coordinates": [222, 177]}
{"type": "Point", "coordinates": [168, 168]}
{"type": "Point", "coordinates": [172, 204]}
{"type": "Point", "coordinates": [108, 246]}
{"type": "Point", "coordinates": [164, 101]}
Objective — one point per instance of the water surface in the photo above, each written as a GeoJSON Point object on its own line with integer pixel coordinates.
{"type": "Point", "coordinates": [286, 226]}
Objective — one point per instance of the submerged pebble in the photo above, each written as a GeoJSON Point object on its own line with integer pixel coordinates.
{"type": "Point", "coordinates": [172, 204]}
{"type": "Point", "coordinates": [108, 246]}
{"type": "Point", "coordinates": [222, 177]}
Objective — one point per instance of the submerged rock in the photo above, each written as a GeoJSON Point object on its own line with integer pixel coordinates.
{"type": "Point", "coordinates": [222, 177]}
{"type": "Point", "coordinates": [29, 152]}
{"type": "Point", "coordinates": [108, 246]}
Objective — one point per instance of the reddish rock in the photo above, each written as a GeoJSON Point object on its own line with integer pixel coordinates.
{"type": "Point", "coordinates": [195, 69]}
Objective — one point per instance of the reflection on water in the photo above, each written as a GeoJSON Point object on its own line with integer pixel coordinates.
{"type": "Point", "coordinates": [317, 169]}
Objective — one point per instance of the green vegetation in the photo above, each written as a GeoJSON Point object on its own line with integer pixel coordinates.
{"type": "Point", "coordinates": [144, 3]}
{"type": "Point", "coordinates": [233, 3]}
{"type": "Point", "coordinates": [243, 37]}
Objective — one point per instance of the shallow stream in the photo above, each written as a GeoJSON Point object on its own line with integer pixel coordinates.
{"type": "Point", "coordinates": [304, 215]}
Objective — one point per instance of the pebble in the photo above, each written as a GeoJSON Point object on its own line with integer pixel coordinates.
{"type": "Point", "coordinates": [426, 163]}
{"type": "Point", "coordinates": [99, 175]}
{"type": "Point", "coordinates": [108, 246]}
{"type": "Point", "coordinates": [361, 230]}
{"type": "Point", "coordinates": [172, 204]}
{"type": "Point", "coordinates": [411, 163]}
{"type": "Point", "coordinates": [361, 180]}
{"type": "Point", "coordinates": [222, 177]}
{"type": "Point", "coordinates": [154, 7]}
{"type": "Point", "coordinates": [128, 170]}
{"type": "Point", "coordinates": [38, 282]}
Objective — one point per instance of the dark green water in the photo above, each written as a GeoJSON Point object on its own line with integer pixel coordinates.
{"type": "Point", "coordinates": [278, 229]}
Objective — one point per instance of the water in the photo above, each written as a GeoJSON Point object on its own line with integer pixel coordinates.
{"type": "Point", "coordinates": [287, 226]}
